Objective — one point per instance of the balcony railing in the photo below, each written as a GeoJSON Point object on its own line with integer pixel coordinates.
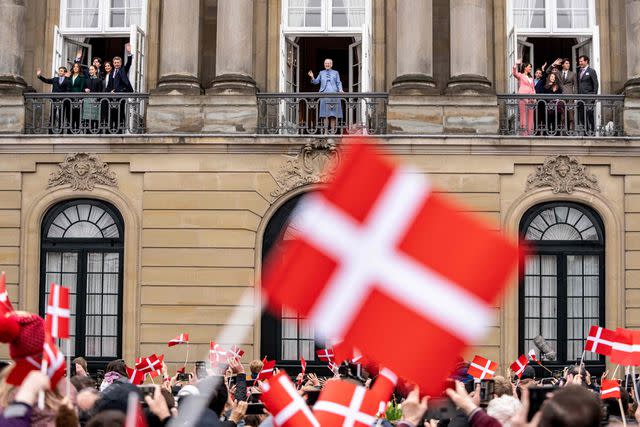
{"type": "Point", "coordinates": [303, 113]}
{"type": "Point", "coordinates": [85, 113]}
{"type": "Point", "coordinates": [561, 115]}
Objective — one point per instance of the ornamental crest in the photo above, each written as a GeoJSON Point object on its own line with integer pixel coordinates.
{"type": "Point", "coordinates": [316, 163]}
{"type": "Point", "coordinates": [82, 171]}
{"type": "Point", "coordinates": [563, 174]}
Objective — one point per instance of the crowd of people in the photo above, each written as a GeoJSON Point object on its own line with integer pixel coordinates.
{"type": "Point", "coordinates": [90, 113]}
{"type": "Point", "coordinates": [551, 115]}
{"type": "Point", "coordinates": [571, 399]}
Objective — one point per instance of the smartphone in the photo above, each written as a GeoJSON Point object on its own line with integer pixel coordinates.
{"type": "Point", "coordinates": [184, 376]}
{"type": "Point", "coordinates": [201, 369]}
{"type": "Point", "coordinates": [254, 398]}
{"type": "Point", "coordinates": [537, 396]}
{"type": "Point", "coordinates": [487, 388]}
{"type": "Point", "coordinates": [255, 409]}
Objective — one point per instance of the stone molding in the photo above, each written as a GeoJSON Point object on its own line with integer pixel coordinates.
{"type": "Point", "coordinates": [82, 171]}
{"type": "Point", "coordinates": [563, 174]}
{"type": "Point", "coordinates": [316, 163]}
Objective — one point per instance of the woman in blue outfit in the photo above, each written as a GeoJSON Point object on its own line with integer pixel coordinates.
{"type": "Point", "coordinates": [329, 81]}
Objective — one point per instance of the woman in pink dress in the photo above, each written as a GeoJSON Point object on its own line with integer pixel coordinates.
{"type": "Point", "coordinates": [525, 85]}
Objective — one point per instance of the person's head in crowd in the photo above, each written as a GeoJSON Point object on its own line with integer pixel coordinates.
{"type": "Point", "coordinates": [583, 61]}
{"type": "Point", "coordinates": [110, 418]}
{"type": "Point", "coordinates": [571, 406]}
{"type": "Point", "coordinates": [502, 386]}
{"type": "Point", "coordinates": [62, 71]}
{"type": "Point", "coordinates": [255, 366]}
{"type": "Point", "coordinates": [116, 371]}
{"type": "Point", "coordinates": [566, 64]}
{"type": "Point", "coordinates": [527, 68]}
{"type": "Point", "coordinates": [117, 62]}
{"type": "Point", "coordinates": [552, 81]}
{"type": "Point", "coordinates": [87, 398]}
{"type": "Point", "coordinates": [81, 382]}
{"type": "Point", "coordinates": [76, 70]}
{"type": "Point", "coordinates": [66, 417]}
{"type": "Point", "coordinates": [80, 364]}
{"type": "Point", "coordinates": [97, 62]}
{"type": "Point", "coordinates": [108, 67]}
{"type": "Point", "coordinates": [116, 397]}
{"type": "Point", "coordinates": [538, 74]}
{"type": "Point", "coordinates": [93, 71]}
{"type": "Point", "coordinates": [528, 373]}
{"type": "Point", "coordinates": [503, 408]}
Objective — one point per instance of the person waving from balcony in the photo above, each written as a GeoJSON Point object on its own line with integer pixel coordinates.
{"type": "Point", "coordinates": [525, 106]}
{"type": "Point", "coordinates": [330, 108]}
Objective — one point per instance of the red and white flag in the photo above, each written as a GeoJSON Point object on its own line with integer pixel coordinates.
{"type": "Point", "coordinates": [21, 369]}
{"type": "Point", "coordinates": [343, 403]}
{"type": "Point", "coordinates": [217, 354]}
{"type": "Point", "coordinates": [180, 339]}
{"type": "Point", "coordinates": [344, 352]}
{"type": "Point", "coordinates": [600, 340]}
{"type": "Point", "coordinates": [626, 348]}
{"type": "Point", "coordinates": [135, 376]}
{"type": "Point", "coordinates": [5, 303]}
{"type": "Point", "coordinates": [267, 369]}
{"type": "Point", "coordinates": [532, 355]}
{"type": "Point", "coordinates": [283, 401]}
{"type": "Point", "coordinates": [53, 357]}
{"type": "Point", "coordinates": [385, 384]}
{"type": "Point", "coordinates": [326, 355]}
{"type": "Point", "coordinates": [519, 365]}
{"type": "Point", "coordinates": [379, 240]}
{"type": "Point", "coordinates": [149, 365]}
{"type": "Point", "coordinates": [57, 312]}
{"type": "Point", "coordinates": [481, 368]}
{"type": "Point", "coordinates": [303, 365]}
{"type": "Point", "coordinates": [135, 415]}
{"type": "Point", "coordinates": [235, 353]}
{"type": "Point", "coordinates": [609, 389]}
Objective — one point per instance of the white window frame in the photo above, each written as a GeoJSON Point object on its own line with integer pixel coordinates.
{"type": "Point", "coordinates": [551, 20]}
{"type": "Point", "coordinates": [104, 15]}
{"type": "Point", "coordinates": [326, 18]}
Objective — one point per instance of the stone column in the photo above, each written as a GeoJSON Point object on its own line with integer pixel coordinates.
{"type": "Point", "coordinates": [179, 48]}
{"type": "Point", "coordinates": [414, 63]}
{"type": "Point", "coordinates": [469, 54]}
{"type": "Point", "coordinates": [12, 34]}
{"type": "Point", "coordinates": [234, 48]}
{"type": "Point", "coordinates": [632, 85]}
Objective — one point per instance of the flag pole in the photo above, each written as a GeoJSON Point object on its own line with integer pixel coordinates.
{"type": "Point", "coordinates": [187, 358]}
{"type": "Point", "coordinates": [613, 377]}
{"type": "Point", "coordinates": [68, 348]}
{"type": "Point", "coordinates": [582, 359]}
{"type": "Point", "coordinates": [624, 416]}
{"type": "Point", "coordinates": [43, 369]}
{"type": "Point", "coordinates": [547, 369]}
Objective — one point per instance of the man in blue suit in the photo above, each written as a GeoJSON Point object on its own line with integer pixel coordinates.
{"type": "Point", "coordinates": [119, 83]}
{"type": "Point", "coordinates": [59, 107]}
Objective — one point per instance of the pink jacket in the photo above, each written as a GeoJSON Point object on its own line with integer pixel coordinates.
{"type": "Point", "coordinates": [525, 83]}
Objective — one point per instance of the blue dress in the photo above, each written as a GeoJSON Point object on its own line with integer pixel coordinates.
{"type": "Point", "coordinates": [329, 82]}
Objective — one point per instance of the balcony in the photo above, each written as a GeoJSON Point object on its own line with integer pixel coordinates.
{"type": "Point", "coordinates": [85, 113]}
{"type": "Point", "coordinates": [561, 115]}
{"type": "Point", "coordinates": [299, 113]}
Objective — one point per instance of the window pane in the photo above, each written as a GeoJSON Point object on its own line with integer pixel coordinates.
{"type": "Point", "coordinates": [574, 286]}
{"type": "Point", "coordinates": [289, 350]}
{"type": "Point", "coordinates": [117, 3]}
{"type": "Point", "coordinates": [117, 19]}
{"type": "Point", "coordinates": [109, 347]}
{"type": "Point", "coordinates": [74, 19]}
{"type": "Point", "coordinates": [109, 325]}
{"type": "Point", "coordinates": [313, 18]}
{"type": "Point", "coordinates": [574, 265]}
{"type": "Point", "coordinates": [289, 328]}
{"type": "Point", "coordinates": [549, 286]}
{"type": "Point", "coordinates": [91, 19]}
{"type": "Point", "coordinates": [110, 284]}
{"type": "Point", "coordinates": [110, 304]}
{"type": "Point", "coordinates": [339, 18]}
{"type": "Point", "coordinates": [111, 262]}
{"type": "Point", "coordinates": [94, 283]}
{"type": "Point", "coordinates": [591, 286]}
{"type": "Point", "coordinates": [93, 346]}
{"type": "Point", "coordinates": [532, 285]}
{"type": "Point", "coordinates": [94, 262]}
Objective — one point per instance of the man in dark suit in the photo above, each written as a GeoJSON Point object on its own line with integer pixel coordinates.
{"type": "Point", "coordinates": [569, 85]}
{"type": "Point", "coordinates": [119, 83]}
{"type": "Point", "coordinates": [59, 107]}
{"type": "Point", "coordinates": [587, 85]}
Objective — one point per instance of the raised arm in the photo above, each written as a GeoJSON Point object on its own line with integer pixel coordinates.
{"type": "Point", "coordinates": [515, 72]}
{"type": "Point", "coordinates": [42, 78]}
{"type": "Point", "coordinates": [314, 80]}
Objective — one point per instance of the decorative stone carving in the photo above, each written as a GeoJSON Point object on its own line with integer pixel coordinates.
{"type": "Point", "coordinates": [82, 171]}
{"type": "Point", "coordinates": [563, 174]}
{"type": "Point", "coordinates": [316, 163]}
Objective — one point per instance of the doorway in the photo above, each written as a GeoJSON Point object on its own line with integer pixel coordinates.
{"type": "Point", "coordinates": [313, 52]}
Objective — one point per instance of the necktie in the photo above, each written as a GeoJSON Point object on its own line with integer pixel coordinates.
{"type": "Point", "coordinates": [565, 75]}
{"type": "Point", "coordinates": [584, 70]}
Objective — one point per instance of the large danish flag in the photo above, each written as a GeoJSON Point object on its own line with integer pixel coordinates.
{"type": "Point", "coordinates": [5, 303]}
{"type": "Point", "coordinates": [600, 340]}
{"type": "Point", "coordinates": [379, 240]}
{"type": "Point", "coordinates": [286, 405]}
{"type": "Point", "coordinates": [58, 313]}
{"type": "Point", "coordinates": [343, 403]}
{"type": "Point", "coordinates": [481, 368]}
{"type": "Point", "coordinates": [180, 339]}
{"type": "Point", "coordinates": [626, 348]}
{"type": "Point", "coordinates": [609, 389]}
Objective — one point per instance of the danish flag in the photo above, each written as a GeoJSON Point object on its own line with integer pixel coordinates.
{"type": "Point", "coordinates": [326, 355]}
{"type": "Point", "coordinates": [53, 357]}
{"type": "Point", "coordinates": [5, 303]}
{"type": "Point", "coordinates": [149, 365]}
{"type": "Point", "coordinates": [600, 340]}
{"type": "Point", "coordinates": [481, 368]}
{"type": "Point", "coordinates": [217, 354]}
{"type": "Point", "coordinates": [267, 369]}
{"type": "Point", "coordinates": [180, 339]}
{"type": "Point", "coordinates": [235, 352]}
{"type": "Point", "coordinates": [344, 352]}
{"type": "Point", "coordinates": [286, 405]}
{"type": "Point", "coordinates": [609, 389]}
{"type": "Point", "coordinates": [519, 365]}
{"type": "Point", "coordinates": [343, 403]}
{"type": "Point", "coordinates": [379, 240]}
{"type": "Point", "coordinates": [303, 365]}
{"type": "Point", "coordinates": [135, 376]}
{"type": "Point", "coordinates": [57, 313]}
{"type": "Point", "coordinates": [626, 348]}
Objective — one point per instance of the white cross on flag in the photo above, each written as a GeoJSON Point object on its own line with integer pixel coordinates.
{"type": "Point", "coordinates": [150, 365]}
{"type": "Point", "coordinates": [5, 303]}
{"type": "Point", "coordinates": [379, 250]}
{"type": "Point", "coordinates": [267, 369]}
{"type": "Point", "coordinates": [53, 357]}
{"type": "Point", "coordinates": [609, 389]}
{"type": "Point", "coordinates": [600, 340]}
{"type": "Point", "coordinates": [343, 403]}
{"type": "Point", "coordinates": [135, 376]}
{"type": "Point", "coordinates": [180, 339]}
{"type": "Point", "coordinates": [235, 352]}
{"type": "Point", "coordinates": [288, 408]}
{"type": "Point", "coordinates": [326, 355]}
{"type": "Point", "coordinates": [217, 354]}
{"type": "Point", "coordinates": [481, 368]}
{"type": "Point", "coordinates": [519, 365]}
{"type": "Point", "coordinates": [57, 313]}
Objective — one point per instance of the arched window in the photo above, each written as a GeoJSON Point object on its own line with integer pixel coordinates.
{"type": "Point", "coordinates": [82, 249]}
{"type": "Point", "coordinates": [287, 337]}
{"type": "Point", "coordinates": [562, 282]}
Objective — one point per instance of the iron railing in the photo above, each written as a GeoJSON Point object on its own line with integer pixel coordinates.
{"type": "Point", "coordinates": [303, 113]}
{"type": "Point", "coordinates": [85, 113]}
{"type": "Point", "coordinates": [561, 115]}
